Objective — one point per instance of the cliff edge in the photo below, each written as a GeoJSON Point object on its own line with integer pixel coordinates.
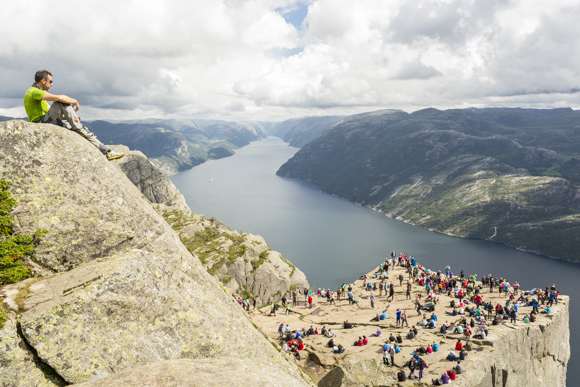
{"type": "Point", "coordinates": [126, 294]}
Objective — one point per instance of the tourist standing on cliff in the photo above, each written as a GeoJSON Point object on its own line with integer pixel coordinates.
{"type": "Point", "coordinates": [391, 292]}
{"type": "Point", "coordinates": [63, 108]}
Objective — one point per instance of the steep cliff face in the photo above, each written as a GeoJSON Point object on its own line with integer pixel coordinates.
{"type": "Point", "coordinates": [242, 262]}
{"type": "Point", "coordinates": [127, 293]}
{"type": "Point", "coordinates": [525, 355]}
{"type": "Point", "coordinates": [149, 179]}
{"type": "Point", "coordinates": [534, 354]}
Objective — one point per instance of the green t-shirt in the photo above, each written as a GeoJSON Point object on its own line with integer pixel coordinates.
{"type": "Point", "coordinates": [35, 106]}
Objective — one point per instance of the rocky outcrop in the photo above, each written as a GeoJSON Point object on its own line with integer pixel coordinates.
{"type": "Point", "coordinates": [523, 355]}
{"type": "Point", "coordinates": [356, 373]}
{"type": "Point", "coordinates": [149, 179]}
{"type": "Point", "coordinates": [18, 365]}
{"type": "Point", "coordinates": [194, 373]}
{"type": "Point", "coordinates": [262, 272]}
{"type": "Point", "coordinates": [128, 293]}
{"type": "Point", "coordinates": [514, 355]}
{"type": "Point", "coordinates": [242, 262]}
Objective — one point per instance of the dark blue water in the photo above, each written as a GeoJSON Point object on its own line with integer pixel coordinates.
{"type": "Point", "coordinates": [334, 241]}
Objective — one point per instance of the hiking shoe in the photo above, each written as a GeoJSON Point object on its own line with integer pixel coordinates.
{"type": "Point", "coordinates": [84, 131]}
{"type": "Point", "coordinates": [112, 155]}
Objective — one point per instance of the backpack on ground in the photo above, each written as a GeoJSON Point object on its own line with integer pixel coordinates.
{"type": "Point", "coordinates": [401, 376]}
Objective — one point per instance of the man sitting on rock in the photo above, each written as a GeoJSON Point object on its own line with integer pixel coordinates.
{"type": "Point", "coordinates": [37, 110]}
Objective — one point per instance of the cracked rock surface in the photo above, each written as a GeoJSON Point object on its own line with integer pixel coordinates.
{"type": "Point", "coordinates": [127, 293]}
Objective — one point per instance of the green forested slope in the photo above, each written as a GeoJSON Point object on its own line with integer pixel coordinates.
{"type": "Point", "coordinates": [460, 172]}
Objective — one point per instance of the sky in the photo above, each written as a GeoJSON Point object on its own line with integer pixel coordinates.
{"type": "Point", "coordinates": [280, 59]}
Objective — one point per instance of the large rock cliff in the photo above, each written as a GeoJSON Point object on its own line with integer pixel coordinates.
{"type": "Point", "coordinates": [513, 356]}
{"type": "Point", "coordinates": [126, 293]}
{"type": "Point", "coordinates": [242, 262]}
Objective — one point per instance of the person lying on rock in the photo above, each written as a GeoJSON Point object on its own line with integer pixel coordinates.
{"type": "Point", "coordinates": [62, 112]}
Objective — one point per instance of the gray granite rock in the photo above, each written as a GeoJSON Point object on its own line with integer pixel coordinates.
{"type": "Point", "coordinates": [193, 373]}
{"type": "Point", "coordinates": [156, 187]}
{"type": "Point", "coordinates": [66, 186]}
{"type": "Point", "coordinates": [18, 366]}
{"type": "Point", "coordinates": [129, 292]}
{"type": "Point", "coordinates": [358, 373]}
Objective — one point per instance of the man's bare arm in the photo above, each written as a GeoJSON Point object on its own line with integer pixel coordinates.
{"type": "Point", "coordinates": [62, 98]}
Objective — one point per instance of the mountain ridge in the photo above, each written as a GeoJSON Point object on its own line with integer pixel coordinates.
{"type": "Point", "coordinates": [459, 172]}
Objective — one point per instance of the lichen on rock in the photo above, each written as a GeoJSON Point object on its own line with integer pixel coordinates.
{"type": "Point", "coordinates": [128, 292]}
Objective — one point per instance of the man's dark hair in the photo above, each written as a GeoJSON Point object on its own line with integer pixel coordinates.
{"type": "Point", "coordinates": [41, 74]}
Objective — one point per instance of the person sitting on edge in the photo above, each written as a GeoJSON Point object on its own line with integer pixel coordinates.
{"type": "Point", "coordinates": [365, 340]}
{"type": "Point", "coordinates": [37, 110]}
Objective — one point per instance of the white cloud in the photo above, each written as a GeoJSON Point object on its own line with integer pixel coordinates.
{"type": "Point", "coordinates": [259, 59]}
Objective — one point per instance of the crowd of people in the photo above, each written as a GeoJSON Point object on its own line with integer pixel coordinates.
{"type": "Point", "coordinates": [473, 305]}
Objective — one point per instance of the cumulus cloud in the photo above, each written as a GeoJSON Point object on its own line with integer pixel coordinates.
{"type": "Point", "coordinates": [264, 59]}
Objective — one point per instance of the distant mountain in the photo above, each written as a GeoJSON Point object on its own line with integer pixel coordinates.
{"type": "Point", "coordinates": [300, 131]}
{"type": "Point", "coordinates": [177, 145]}
{"type": "Point", "coordinates": [459, 172]}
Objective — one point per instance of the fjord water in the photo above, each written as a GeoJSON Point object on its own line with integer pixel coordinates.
{"type": "Point", "coordinates": [334, 241]}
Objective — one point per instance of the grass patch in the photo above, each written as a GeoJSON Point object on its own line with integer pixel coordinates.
{"type": "Point", "coordinates": [289, 264]}
{"type": "Point", "coordinates": [262, 257]}
{"type": "Point", "coordinates": [3, 316]}
{"type": "Point", "coordinates": [13, 246]}
{"type": "Point", "coordinates": [23, 294]}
